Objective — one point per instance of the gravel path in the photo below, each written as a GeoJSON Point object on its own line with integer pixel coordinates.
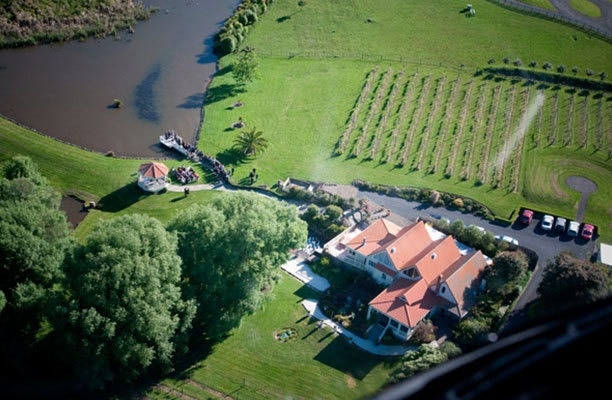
{"type": "Point", "coordinates": [603, 23]}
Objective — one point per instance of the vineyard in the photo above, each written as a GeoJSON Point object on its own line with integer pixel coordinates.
{"type": "Point", "coordinates": [471, 127]}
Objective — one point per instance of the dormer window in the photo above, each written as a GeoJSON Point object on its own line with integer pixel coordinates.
{"type": "Point", "coordinates": [434, 256]}
{"type": "Point", "coordinates": [392, 250]}
{"type": "Point", "coordinates": [412, 272]}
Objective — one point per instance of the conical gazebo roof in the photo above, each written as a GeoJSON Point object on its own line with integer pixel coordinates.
{"type": "Point", "coordinates": [153, 170]}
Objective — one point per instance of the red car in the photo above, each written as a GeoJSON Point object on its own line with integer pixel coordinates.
{"type": "Point", "coordinates": [526, 217]}
{"type": "Point", "coordinates": [587, 231]}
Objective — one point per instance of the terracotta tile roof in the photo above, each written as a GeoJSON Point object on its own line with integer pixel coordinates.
{"type": "Point", "coordinates": [437, 260]}
{"type": "Point", "coordinates": [406, 301]}
{"type": "Point", "coordinates": [462, 280]}
{"type": "Point", "coordinates": [153, 170]}
{"type": "Point", "coordinates": [374, 236]}
{"type": "Point", "coordinates": [409, 242]}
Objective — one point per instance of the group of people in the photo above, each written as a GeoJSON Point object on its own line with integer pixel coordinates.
{"type": "Point", "coordinates": [217, 168]}
{"type": "Point", "coordinates": [185, 174]}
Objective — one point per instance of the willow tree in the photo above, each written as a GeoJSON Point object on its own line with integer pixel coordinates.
{"type": "Point", "coordinates": [232, 249]}
{"type": "Point", "coordinates": [124, 316]}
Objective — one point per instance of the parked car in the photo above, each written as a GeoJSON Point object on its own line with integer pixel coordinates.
{"type": "Point", "coordinates": [526, 217]}
{"type": "Point", "coordinates": [587, 231]}
{"type": "Point", "coordinates": [560, 224]}
{"type": "Point", "coordinates": [508, 239]}
{"type": "Point", "coordinates": [573, 228]}
{"type": "Point", "coordinates": [547, 222]}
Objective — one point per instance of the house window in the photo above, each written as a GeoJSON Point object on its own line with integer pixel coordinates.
{"type": "Point", "coordinates": [394, 323]}
{"type": "Point", "coordinates": [411, 272]}
{"type": "Point", "coordinates": [371, 263]}
{"type": "Point", "coordinates": [443, 290]}
{"type": "Point", "coordinates": [403, 329]}
{"type": "Point", "coordinates": [351, 252]}
{"type": "Point", "coordinates": [384, 277]}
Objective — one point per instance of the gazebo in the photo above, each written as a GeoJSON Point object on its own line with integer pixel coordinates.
{"type": "Point", "coordinates": [152, 176]}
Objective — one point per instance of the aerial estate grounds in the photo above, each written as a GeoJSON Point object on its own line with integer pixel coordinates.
{"type": "Point", "coordinates": [391, 92]}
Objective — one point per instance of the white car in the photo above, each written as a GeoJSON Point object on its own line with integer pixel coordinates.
{"type": "Point", "coordinates": [508, 239]}
{"type": "Point", "coordinates": [547, 222]}
{"type": "Point", "coordinates": [573, 228]}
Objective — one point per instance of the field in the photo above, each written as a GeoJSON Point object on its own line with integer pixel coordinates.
{"type": "Point", "coordinates": [357, 92]}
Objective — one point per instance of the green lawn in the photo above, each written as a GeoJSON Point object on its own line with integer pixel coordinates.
{"type": "Point", "coordinates": [253, 364]}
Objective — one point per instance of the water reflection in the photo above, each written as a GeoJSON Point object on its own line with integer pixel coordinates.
{"type": "Point", "coordinates": [144, 94]}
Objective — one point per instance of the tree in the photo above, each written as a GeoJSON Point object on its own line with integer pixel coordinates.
{"type": "Point", "coordinates": [547, 66]}
{"type": "Point", "coordinates": [561, 68]}
{"type": "Point", "coordinates": [251, 142]}
{"type": "Point", "coordinates": [423, 358]}
{"type": "Point", "coordinates": [603, 75]}
{"type": "Point", "coordinates": [575, 70]}
{"type": "Point", "coordinates": [34, 238]}
{"type": "Point", "coordinates": [568, 282]}
{"type": "Point", "coordinates": [232, 249]}
{"type": "Point", "coordinates": [124, 316]}
{"type": "Point", "coordinates": [246, 68]}
{"type": "Point", "coordinates": [504, 274]}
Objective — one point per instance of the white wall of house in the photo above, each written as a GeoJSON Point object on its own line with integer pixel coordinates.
{"type": "Point", "coordinates": [399, 330]}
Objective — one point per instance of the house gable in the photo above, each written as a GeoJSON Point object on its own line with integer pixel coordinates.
{"type": "Point", "coordinates": [405, 301]}
{"type": "Point", "coordinates": [462, 281]}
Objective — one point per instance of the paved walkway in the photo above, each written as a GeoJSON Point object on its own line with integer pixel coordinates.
{"type": "Point", "coordinates": [379, 349]}
{"type": "Point", "coordinates": [301, 271]}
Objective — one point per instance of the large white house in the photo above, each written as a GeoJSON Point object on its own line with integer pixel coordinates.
{"type": "Point", "coordinates": [425, 271]}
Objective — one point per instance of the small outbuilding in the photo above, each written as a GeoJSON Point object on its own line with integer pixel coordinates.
{"type": "Point", "coordinates": [152, 177]}
{"type": "Point", "coordinates": [604, 255]}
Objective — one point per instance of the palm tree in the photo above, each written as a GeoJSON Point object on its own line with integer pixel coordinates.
{"type": "Point", "coordinates": [251, 142]}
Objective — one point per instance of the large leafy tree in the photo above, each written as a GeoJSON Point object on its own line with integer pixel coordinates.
{"type": "Point", "coordinates": [504, 275]}
{"type": "Point", "coordinates": [246, 68]}
{"type": "Point", "coordinates": [125, 316]}
{"type": "Point", "coordinates": [34, 237]}
{"type": "Point", "coordinates": [251, 142]}
{"type": "Point", "coordinates": [231, 250]}
{"type": "Point", "coordinates": [568, 282]}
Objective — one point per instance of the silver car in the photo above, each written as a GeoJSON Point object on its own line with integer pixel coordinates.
{"type": "Point", "coordinates": [573, 228]}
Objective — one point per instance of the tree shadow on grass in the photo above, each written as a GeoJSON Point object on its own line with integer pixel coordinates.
{"type": "Point", "coordinates": [222, 92]}
{"type": "Point", "coordinates": [123, 198]}
{"type": "Point", "coordinates": [232, 156]}
{"type": "Point", "coordinates": [344, 357]}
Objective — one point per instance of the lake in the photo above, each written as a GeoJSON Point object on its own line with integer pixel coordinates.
{"type": "Point", "coordinates": [160, 73]}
